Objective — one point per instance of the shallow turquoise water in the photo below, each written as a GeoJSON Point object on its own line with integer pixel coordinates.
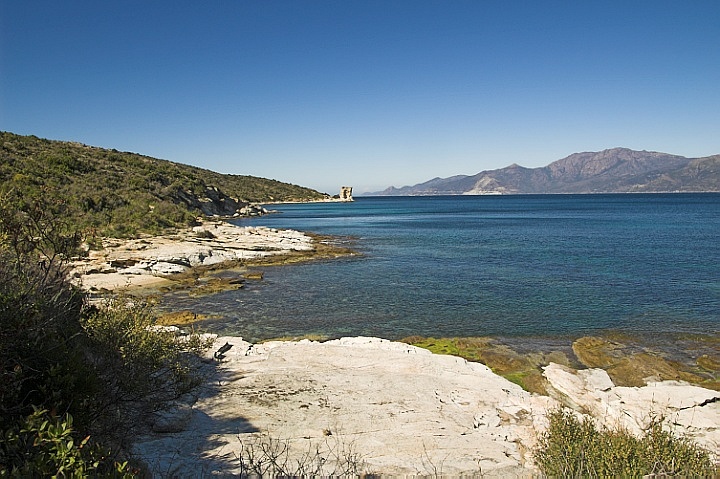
{"type": "Point", "coordinates": [515, 266]}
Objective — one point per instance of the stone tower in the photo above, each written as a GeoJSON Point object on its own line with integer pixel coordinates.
{"type": "Point", "coordinates": [346, 193]}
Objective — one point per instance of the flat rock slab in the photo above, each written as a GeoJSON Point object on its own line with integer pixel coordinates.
{"type": "Point", "coordinates": [127, 264]}
{"type": "Point", "coordinates": [394, 408]}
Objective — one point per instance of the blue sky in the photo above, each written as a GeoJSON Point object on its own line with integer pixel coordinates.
{"type": "Point", "coordinates": [363, 93]}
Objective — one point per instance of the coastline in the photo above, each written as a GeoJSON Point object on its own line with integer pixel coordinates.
{"type": "Point", "coordinates": [218, 256]}
{"type": "Point", "coordinates": [385, 400]}
{"type": "Point", "coordinates": [156, 264]}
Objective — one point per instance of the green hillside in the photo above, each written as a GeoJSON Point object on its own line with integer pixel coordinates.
{"type": "Point", "coordinates": [124, 194]}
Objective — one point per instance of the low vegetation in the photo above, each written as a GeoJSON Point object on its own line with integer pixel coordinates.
{"type": "Point", "coordinates": [74, 378]}
{"type": "Point", "coordinates": [577, 448]}
{"type": "Point", "coordinates": [265, 456]}
{"type": "Point", "coordinates": [123, 194]}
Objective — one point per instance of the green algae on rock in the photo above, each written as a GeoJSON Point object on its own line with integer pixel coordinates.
{"type": "Point", "coordinates": [522, 369]}
{"type": "Point", "coordinates": [635, 365]}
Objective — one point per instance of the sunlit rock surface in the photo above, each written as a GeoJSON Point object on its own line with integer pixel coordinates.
{"type": "Point", "coordinates": [397, 409]}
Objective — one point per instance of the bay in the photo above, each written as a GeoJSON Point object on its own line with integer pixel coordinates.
{"type": "Point", "coordinates": [523, 266]}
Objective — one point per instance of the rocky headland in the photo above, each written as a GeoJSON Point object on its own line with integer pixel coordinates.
{"type": "Point", "coordinates": [161, 262]}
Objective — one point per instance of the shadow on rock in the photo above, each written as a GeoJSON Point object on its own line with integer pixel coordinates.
{"type": "Point", "coordinates": [183, 440]}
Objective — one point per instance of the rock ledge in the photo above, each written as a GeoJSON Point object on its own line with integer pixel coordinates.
{"type": "Point", "coordinates": [402, 409]}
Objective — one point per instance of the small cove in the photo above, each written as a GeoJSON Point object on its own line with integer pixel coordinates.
{"type": "Point", "coordinates": [517, 267]}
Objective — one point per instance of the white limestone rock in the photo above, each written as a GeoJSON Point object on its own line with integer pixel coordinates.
{"type": "Point", "coordinates": [688, 410]}
{"type": "Point", "coordinates": [175, 419]}
{"type": "Point", "coordinates": [126, 263]}
{"type": "Point", "coordinates": [406, 410]}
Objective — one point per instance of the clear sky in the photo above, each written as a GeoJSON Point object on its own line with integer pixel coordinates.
{"type": "Point", "coordinates": [363, 93]}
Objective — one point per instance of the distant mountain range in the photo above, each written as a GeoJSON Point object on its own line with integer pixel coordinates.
{"type": "Point", "coordinates": [618, 170]}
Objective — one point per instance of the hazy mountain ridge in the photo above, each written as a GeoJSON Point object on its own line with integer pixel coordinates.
{"type": "Point", "coordinates": [616, 170]}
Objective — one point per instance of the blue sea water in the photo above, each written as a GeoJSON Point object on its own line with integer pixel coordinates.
{"type": "Point", "coordinates": [510, 266]}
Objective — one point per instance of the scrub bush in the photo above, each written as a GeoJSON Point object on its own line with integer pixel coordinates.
{"type": "Point", "coordinates": [140, 367]}
{"type": "Point", "coordinates": [576, 448]}
{"type": "Point", "coordinates": [46, 446]}
{"type": "Point", "coordinates": [72, 376]}
{"type": "Point", "coordinates": [125, 194]}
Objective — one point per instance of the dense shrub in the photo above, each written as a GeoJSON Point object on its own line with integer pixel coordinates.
{"type": "Point", "coordinates": [40, 336]}
{"type": "Point", "coordinates": [72, 376]}
{"type": "Point", "coordinates": [141, 367]}
{"type": "Point", "coordinates": [43, 445]}
{"type": "Point", "coordinates": [124, 194]}
{"type": "Point", "coordinates": [576, 448]}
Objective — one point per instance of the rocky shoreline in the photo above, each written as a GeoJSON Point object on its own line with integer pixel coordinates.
{"type": "Point", "coordinates": [379, 406]}
{"type": "Point", "coordinates": [393, 409]}
{"type": "Point", "coordinates": [156, 263]}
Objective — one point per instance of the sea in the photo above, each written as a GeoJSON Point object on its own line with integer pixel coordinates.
{"type": "Point", "coordinates": [511, 266]}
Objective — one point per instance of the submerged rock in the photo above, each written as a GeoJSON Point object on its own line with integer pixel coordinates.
{"type": "Point", "coordinates": [629, 366]}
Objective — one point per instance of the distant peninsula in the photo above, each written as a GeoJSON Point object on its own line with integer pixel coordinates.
{"type": "Point", "coordinates": [123, 194]}
{"type": "Point", "coordinates": [617, 170]}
